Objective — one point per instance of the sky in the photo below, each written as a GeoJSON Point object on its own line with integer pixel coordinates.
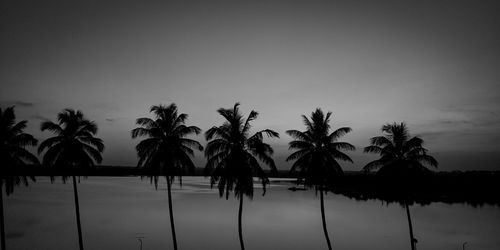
{"type": "Point", "coordinates": [432, 64]}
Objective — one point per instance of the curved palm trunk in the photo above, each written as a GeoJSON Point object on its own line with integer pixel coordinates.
{"type": "Point", "coordinates": [323, 218]}
{"type": "Point", "coordinates": [2, 226]}
{"type": "Point", "coordinates": [412, 239]}
{"type": "Point", "coordinates": [174, 239]}
{"type": "Point", "coordinates": [240, 233]}
{"type": "Point", "coordinates": [77, 207]}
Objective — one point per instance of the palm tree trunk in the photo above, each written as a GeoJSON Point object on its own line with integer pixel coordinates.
{"type": "Point", "coordinates": [240, 233]}
{"type": "Point", "coordinates": [77, 207]}
{"type": "Point", "coordinates": [412, 241]}
{"type": "Point", "coordinates": [323, 218]}
{"type": "Point", "coordinates": [174, 239]}
{"type": "Point", "coordinates": [2, 226]}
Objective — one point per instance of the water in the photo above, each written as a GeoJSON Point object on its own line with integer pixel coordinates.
{"type": "Point", "coordinates": [116, 210]}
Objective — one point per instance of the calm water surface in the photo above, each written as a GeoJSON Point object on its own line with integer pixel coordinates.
{"type": "Point", "coordinates": [114, 211]}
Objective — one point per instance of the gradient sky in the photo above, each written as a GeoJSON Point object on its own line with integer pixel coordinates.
{"type": "Point", "coordinates": [433, 64]}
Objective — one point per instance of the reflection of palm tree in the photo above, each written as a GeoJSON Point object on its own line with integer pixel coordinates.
{"type": "Point", "coordinates": [12, 153]}
{"type": "Point", "coordinates": [317, 153]}
{"type": "Point", "coordinates": [400, 157]}
{"type": "Point", "coordinates": [232, 153]}
{"type": "Point", "coordinates": [166, 151]}
{"type": "Point", "coordinates": [73, 146]}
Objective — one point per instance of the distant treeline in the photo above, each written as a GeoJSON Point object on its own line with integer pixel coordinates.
{"type": "Point", "coordinates": [472, 187]}
{"type": "Point", "coordinates": [475, 188]}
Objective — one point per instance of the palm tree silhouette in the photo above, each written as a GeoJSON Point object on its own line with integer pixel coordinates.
{"type": "Point", "coordinates": [232, 157]}
{"type": "Point", "coordinates": [316, 155]}
{"type": "Point", "coordinates": [13, 143]}
{"type": "Point", "coordinates": [401, 156]}
{"type": "Point", "coordinates": [166, 151]}
{"type": "Point", "coordinates": [73, 146]}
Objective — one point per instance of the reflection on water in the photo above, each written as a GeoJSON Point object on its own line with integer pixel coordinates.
{"type": "Point", "coordinates": [115, 211]}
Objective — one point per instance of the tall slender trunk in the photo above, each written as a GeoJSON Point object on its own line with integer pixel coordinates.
{"type": "Point", "coordinates": [77, 207]}
{"type": "Point", "coordinates": [323, 218]}
{"type": "Point", "coordinates": [2, 226]}
{"type": "Point", "coordinates": [174, 239]}
{"type": "Point", "coordinates": [240, 233]}
{"type": "Point", "coordinates": [412, 239]}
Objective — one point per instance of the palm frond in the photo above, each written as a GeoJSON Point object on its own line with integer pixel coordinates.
{"type": "Point", "coordinates": [414, 142]}
{"type": "Point", "coordinates": [303, 162]}
{"type": "Point", "coordinates": [308, 123]}
{"type": "Point", "coordinates": [299, 135]}
{"type": "Point", "coordinates": [8, 117]}
{"type": "Point", "coordinates": [180, 119]}
{"type": "Point", "coordinates": [265, 158]}
{"type": "Point", "coordinates": [52, 155]}
{"type": "Point", "coordinates": [343, 146]}
{"type": "Point", "coordinates": [49, 142]}
{"type": "Point", "coordinates": [216, 132]}
{"type": "Point", "coordinates": [185, 162]}
{"type": "Point", "coordinates": [338, 133]}
{"type": "Point", "coordinates": [86, 126]}
{"type": "Point", "coordinates": [270, 133]}
{"type": "Point", "coordinates": [138, 132]}
{"type": "Point", "coordinates": [24, 140]}
{"type": "Point", "coordinates": [18, 127]}
{"type": "Point", "coordinates": [257, 170]}
{"type": "Point", "coordinates": [300, 145]}
{"type": "Point", "coordinates": [373, 165]}
{"type": "Point", "coordinates": [216, 146]}
{"type": "Point", "coordinates": [373, 149]}
{"type": "Point", "coordinates": [339, 155]}
{"type": "Point", "coordinates": [216, 160]}
{"type": "Point", "coordinates": [297, 154]}
{"type": "Point", "coordinates": [183, 130]}
{"type": "Point", "coordinates": [380, 141]}
{"type": "Point", "coordinates": [93, 154]}
{"type": "Point", "coordinates": [252, 116]}
{"type": "Point", "coordinates": [93, 141]}
{"type": "Point", "coordinates": [52, 127]}
{"type": "Point", "coordinates": [191, 143]}
{"type": "Point", "coordinates": [24, 155]}
{"type": "Point", "coordinates": [426, 159]}
{"type": "Point", "coordinates": [146, 122]}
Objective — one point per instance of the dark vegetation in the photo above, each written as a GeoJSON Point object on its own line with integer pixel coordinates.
{"type": "Point", "coordinates": [232, 153]}
{"type": "Point", "coordinates": [73, 146]}
{"type": "Point", "coordinates": [316, 156]}
{"type": "Point", "coordinates": [475, 188]}
{"type": "Point", "coordinates": [402, 166]}
{"type": "Point", "coordinates": [234, 157]}
{"type": "Point", "coordinates": [166, 151]}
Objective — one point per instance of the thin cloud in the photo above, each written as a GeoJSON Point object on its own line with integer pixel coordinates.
{"type": "Point", "coordinates": [18, 103]}
{"type": "Point", "coordinates": [39, 117]}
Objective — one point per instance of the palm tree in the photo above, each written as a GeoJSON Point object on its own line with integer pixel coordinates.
{"type": "Point", "coordinates": [401, 156]}
{"type": "Point", "coordinates": [166, 151]}
{"type": "Point", "coordinates": [73, 146]}
{"type": "Point", "coordinates": [316, 155]}
{"type": "Point", "coordinates": [13, 143]}
{"type": "Point", "coordinates": [232, 157]}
